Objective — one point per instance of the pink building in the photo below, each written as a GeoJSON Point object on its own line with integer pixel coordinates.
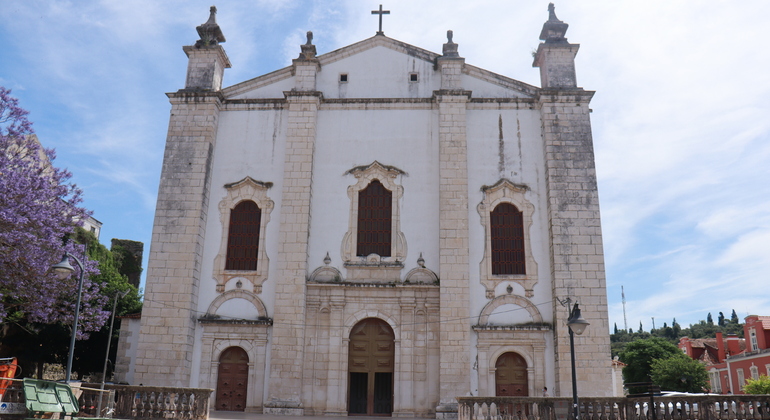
{"type": "Point", "coordinates": [732, 360]}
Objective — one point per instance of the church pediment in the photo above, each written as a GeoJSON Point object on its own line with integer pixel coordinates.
{"type": "Point", "coordinates": [380, 67]}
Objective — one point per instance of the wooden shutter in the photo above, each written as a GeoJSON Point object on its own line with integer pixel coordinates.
{"type": "Point", "coordinates": [243, 237]}
{"type": "Point", "coordinates": [507, 229]}
{"type": "Point", "coordinates": [375, 205]}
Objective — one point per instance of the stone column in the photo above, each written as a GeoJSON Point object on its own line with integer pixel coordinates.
{"type": "Point", "coordinates": [288, 331]}
{"type": "Point", "coordinates": [166, 337]}
{"type": "Point", "coordinates": [538, 354]}
{"type": "Point", "coordinates": [312, 394]}
{"type": "Point", "coordinates": [482, 371]}
{"type": "Point", "coordinates": [404, 388]}
{"type": "Point", "coordinates": [453, 234]}
{"type": "Point", "coordinates": [338, 363]}
{"type": "Point", "coordinates": [577, 253]}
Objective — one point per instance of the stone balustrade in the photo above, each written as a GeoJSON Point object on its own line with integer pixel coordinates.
{"type": "Point", "coordinates": [142, 402]}
{"type": "Point", "coordinates": [688, 407]}
{"type": "Point", "coordinates": [134, 402]}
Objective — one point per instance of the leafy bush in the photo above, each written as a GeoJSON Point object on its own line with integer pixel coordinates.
{"type": "Point", "coordinates": [758, 386]}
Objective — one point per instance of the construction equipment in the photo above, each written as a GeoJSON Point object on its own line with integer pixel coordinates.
{"type": "Point", "coordinates": [8, 367]}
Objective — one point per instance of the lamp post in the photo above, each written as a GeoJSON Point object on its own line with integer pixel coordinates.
{"type": "Point", "coordinates": [63, 268]}
{"type": "Point", "coordinates": [109, 341]}
{"type": "Point", "coordinates": [576, 325]}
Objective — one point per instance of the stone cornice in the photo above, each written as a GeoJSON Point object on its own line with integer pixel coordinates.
{"type": "Point", "coordinates": [565, 95]}
{"type": "Point", "coordinates": [268, 321]}
{"type": "Point", "coordinates": [195, 95]}
{"type": "Point", "coordinates": [438, 94]}
{"type": "Point", "coordinates": [303, 93]}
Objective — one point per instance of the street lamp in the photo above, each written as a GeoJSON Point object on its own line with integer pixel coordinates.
{"type": "Point", "coordinates": [576, 325]}
{"type": "Point", "coordinates": [109, 341]}
{"type": "Point", "coordinates": [64, 269]}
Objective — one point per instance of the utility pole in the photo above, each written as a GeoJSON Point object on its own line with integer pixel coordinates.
{"type": "Point", "coordinates": [623, 295]}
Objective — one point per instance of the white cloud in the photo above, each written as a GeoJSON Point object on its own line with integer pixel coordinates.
{"type": "Point", "coordinates": [681, 133]}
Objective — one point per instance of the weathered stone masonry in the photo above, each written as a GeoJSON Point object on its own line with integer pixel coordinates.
{"type": "Point", "coordinates": [577, 254]}
{"type": "Point", "coordinates": [305, 141]}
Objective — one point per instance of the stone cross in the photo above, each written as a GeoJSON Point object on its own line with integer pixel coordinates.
{"type": "Point", "coordinates": [380, 12]}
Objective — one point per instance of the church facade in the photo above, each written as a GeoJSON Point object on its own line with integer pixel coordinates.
{"type": "Point", "coordinates": [375, 230]}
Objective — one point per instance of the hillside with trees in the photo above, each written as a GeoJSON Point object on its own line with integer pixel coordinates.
{"type": "Point", "coordinates": [703, 329]}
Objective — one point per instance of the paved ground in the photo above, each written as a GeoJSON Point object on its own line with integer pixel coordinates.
{"type": "Point", "coordinates": [235, 415]}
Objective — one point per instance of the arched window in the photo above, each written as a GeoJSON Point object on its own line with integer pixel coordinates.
{"type": "Point", "coordinates": [507, 231]}
{"type": "Point", "coordinates": [375, 204]}
{"type": "Point", "coordinates": [243, 237]}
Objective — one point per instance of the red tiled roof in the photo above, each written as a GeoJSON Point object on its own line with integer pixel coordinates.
{"type": "Point", "coordinates": [765, 320]}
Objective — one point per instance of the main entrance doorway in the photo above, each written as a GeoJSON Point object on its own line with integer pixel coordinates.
{"type": "Point", "coordinates": [511, 376]}
{"type": "Point", "coordinates": [370, 365]}
{"type": "Point", "coordinates": [232, 379]}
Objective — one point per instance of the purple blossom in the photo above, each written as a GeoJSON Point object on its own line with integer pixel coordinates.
{"type": "Point", "coordinates": [38, 209]}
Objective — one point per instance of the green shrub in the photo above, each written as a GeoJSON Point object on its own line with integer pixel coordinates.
{"type": "Point", "coordinates": [758, 386]}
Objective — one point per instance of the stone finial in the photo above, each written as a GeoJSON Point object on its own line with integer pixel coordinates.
{"type": "Point", "coordinates": [327, 259]}
{"type": "Point", "coordinates": [421, 261]}
{"type": "Point", "coordinates": [450, 48]}
{"type": "Point", "coordinates": [552, 13]}
{"type": "Point", "coordinates": [210, 32]}
{"type": "Point", "coordinates": [553, 29]}
{"type": "Point", "coordinates": [308, 50]}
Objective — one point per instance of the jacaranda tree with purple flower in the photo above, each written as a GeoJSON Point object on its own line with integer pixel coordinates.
{"type": "Point", "coordinates": [38, 210]}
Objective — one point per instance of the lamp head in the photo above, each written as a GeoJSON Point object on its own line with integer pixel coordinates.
{"type": "Point", "coordinates": [63, 268]}
{"type": "Point", "coordinates": [576, 322]}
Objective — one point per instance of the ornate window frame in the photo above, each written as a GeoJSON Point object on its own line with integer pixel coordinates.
{"type": "Point", "coordinates": [387, 175]}
{"type": "Point", "coordinates": [505, 191]}
{"type": "Point", "coordinates": [256, 191]}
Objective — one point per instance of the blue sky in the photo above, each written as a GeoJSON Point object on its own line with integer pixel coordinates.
{"type": "Point", "coordinates": [681, 119]}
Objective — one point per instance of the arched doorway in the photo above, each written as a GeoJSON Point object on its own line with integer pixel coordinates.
{"type": "Point", "coordinates": [232, 379]}
{"type": "Point", "coordinates": [511, 376]}
{"type": "Point", "coordinates": [370, 366]}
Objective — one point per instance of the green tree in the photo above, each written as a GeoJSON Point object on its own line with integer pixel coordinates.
{"type": "Point", "coordinates": [37, 343]}
{"type": "Point", "coordinates": [734, 318]}
{"type": "Point", "coordinates": [679, 373]}
{"type": "Point", "coordinates": [89, 354]}
{"type": "Point", "coordinates": [676, 328]}
{"type": "Point", "coordinates": [757, 386]}
{"type": "Point", "coordinates": [639, 355]}
{"type": "Point", "coordinates": [721, 319]}
{"type": "Point", "coordinates": [709, 319]}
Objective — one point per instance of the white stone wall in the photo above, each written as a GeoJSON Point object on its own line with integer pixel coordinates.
{"type": "Point", "coordinates": [125, 361]}
{"type": "Point", "coordinates": [446, 145]}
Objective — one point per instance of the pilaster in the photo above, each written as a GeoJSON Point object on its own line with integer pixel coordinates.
{"type": "Point", "coordinates": [454, 360]}
{"type": "Point", "coordinates": [337, 375]}
{"type": "Point", "coordinates": [577, 254]}
{"type": "Point", "coordinates": [404, 393]}
{"type": "Point", "coordinates": [167, 331]}
{"type": "Point", "coordinates": [286, 373]}
{"type": "Point", "coordinates": [166, 339]}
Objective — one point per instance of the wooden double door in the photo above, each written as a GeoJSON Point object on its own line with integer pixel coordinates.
{"type": "Point", "coordinates": [370, 368]}
{"type": "Point", "coordinates": [511, 376]}
{"type": "Point", "coordinates": [232, 380]}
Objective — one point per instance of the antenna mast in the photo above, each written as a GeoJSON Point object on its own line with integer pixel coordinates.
{"type": "Point", "coordinates": [623, 295]}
